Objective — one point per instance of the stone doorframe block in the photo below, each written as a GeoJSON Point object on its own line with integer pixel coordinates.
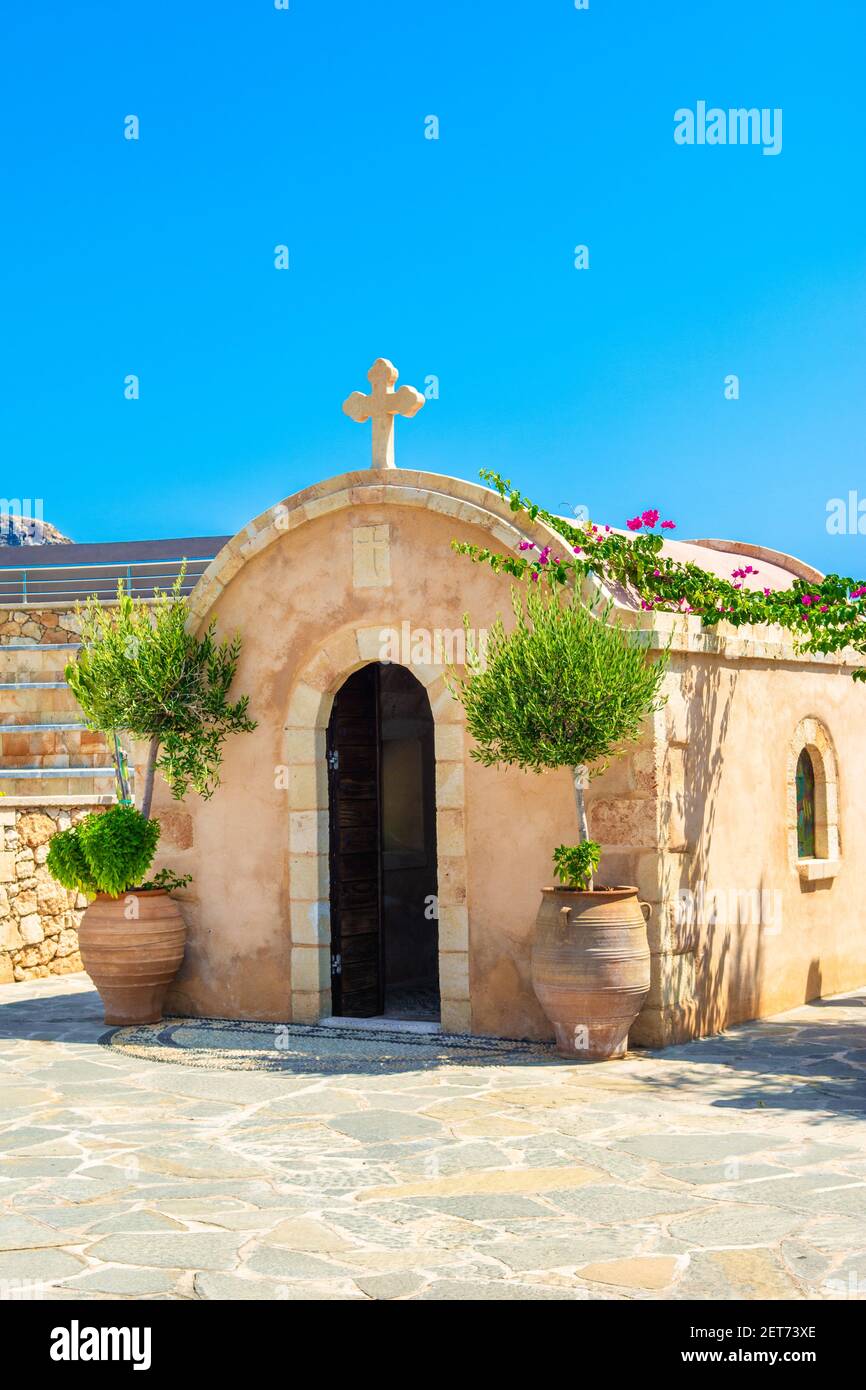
{"type": "Point", "coordinates": [811, 734]}
{"type": "Point", "coordinates": [309, 875]}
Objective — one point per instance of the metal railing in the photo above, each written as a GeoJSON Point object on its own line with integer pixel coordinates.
{"type": "Point", "coordinates": [34, 585]}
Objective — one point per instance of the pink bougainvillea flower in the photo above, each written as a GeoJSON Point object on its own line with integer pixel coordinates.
{"type": "Point", "coordinates": [649, 517]}
{"type": "Point", "coordinates": [577, 550]}
{"type": "Point", "coordinates": [535, 576]}
{"type": "Point", "coordinates": [634, 523]}
{"type": "Point", "coordinates": [646, 606]}
{"type": "Point", "coordinates": [526, 545]}
{"type": "Point", "coordinates": [607, 528]}
{"type": "Point", "coordinates": [767, 593]}
{"type": "Point", "coordinates": [859, 591]}
{"type": "Point", "coordinates": [669, 525]}
{"type": "Point", "coordinates": [656, 574]}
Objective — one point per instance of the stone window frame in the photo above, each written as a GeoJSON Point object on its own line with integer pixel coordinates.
{"type": "Point", "coordinates": [310, 704]}
{"type": "Point", "coordinates": [812, 735]}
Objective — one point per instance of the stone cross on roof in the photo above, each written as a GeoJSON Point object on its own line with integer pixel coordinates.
{"type": "Point", "coordinates": [382, 404]}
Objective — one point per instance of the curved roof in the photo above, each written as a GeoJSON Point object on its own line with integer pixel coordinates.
{"type": "Point", "coordinates": [775, 569]}
{"type": "Point", "coordinates": [471, 503]}
{"type": "Point", "coordinates": [486, 510]}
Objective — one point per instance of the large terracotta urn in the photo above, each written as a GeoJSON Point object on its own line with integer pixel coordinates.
{"type": "Point", "coordinates": [591, 968]}
{"type": "Point", "coordinates": [132, 947]}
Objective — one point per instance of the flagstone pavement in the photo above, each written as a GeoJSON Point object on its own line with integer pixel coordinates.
{"type": "Point", "coordinates": [731, 1168]}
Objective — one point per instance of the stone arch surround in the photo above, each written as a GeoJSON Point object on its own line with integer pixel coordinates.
{"type": "Point", "coordinates": [811, 734]}
{"type": "Point", "coordinates": [465, 502]}
{"type": "Point", "coordinates": [482, 508]}
{"type": "Point", "coordinates": [309, 877]}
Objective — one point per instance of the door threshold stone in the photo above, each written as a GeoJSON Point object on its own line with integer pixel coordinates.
{"type": "Point", "coordinates": [382, 1024]}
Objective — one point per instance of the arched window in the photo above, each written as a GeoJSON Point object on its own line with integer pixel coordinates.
{"type": "Point", "coordinates": [805, 806]}
{"type": "Point", "coordinates": [814, 849]}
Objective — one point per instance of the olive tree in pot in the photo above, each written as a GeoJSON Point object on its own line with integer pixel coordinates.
{"type": "Point", "coordinates": [567, 689]}
{"type": "Point", "coordinates": [141, 672]}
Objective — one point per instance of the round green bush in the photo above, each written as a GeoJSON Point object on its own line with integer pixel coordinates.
{"type": "Point", "coordinates": [107, 852]}
{"type": "Point", "coordinates": [66, 862]}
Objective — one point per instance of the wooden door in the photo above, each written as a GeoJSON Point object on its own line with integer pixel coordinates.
{"type": "Point", "coordinates": [357, 976]}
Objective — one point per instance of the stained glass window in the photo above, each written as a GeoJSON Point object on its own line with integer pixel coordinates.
{"type": "Point", "coordinates": [805, 807]}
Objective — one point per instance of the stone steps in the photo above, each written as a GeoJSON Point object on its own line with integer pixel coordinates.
{"type": "Point", "coordinates": [20, 741]}
{"type": "Point", "coordinates": [30, 662]}
{"type": "Point", "coordinates": [47, 726]}
{"type": "Point", "coordinates": [37, 703]}
{"type": "Point", "coordinates": [46, 783]}
{"type": "Point", "coordinates": [32, 685]}
{"type": "Point", "coordinates": [47, 757]}
{"type": "Point", "coordinates": [46, 750]}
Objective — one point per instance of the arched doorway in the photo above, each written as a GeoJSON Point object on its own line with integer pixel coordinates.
{"type": "Point", "coordinates": [382, 813]}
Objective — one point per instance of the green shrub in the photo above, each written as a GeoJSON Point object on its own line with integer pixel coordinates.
{"type": "Point", "coordinates": [576, 864]}
{"type": "Point", "coordinates": [107, 852]}
{"type": "Point", "coordinates": [66, 862]}
{"type": "Point", "coordinates": [142, 672]}
{"type": "Point", "coordinates": [565, 688]}
{"type": "Point", "coordinates": [167, 880]}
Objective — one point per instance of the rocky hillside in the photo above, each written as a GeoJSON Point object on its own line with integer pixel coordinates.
{"type": "Point", "coordinates": [26, 530]}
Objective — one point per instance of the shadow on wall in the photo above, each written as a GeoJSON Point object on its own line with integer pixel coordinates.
{"type": "Point", "coordinates": [727, 934]}
{"type": "Point", "coordinates": [814, 981]}
{"type": "Point", "coordinates": [728, 948]}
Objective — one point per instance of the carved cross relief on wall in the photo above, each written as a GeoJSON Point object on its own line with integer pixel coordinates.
{"type": "Point", "coordinates": [371, 557]}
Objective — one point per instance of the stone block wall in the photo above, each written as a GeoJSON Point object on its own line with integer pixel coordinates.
{"type": "Point", "coordinates": [38, 919]}
{"type": "Point", "coordinates": [636, 813]}
{"type": "Point", "coordinates": [38, 625]}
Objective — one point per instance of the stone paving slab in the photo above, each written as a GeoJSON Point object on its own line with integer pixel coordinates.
{"type": "Point", "coordinates": [731, 1168]}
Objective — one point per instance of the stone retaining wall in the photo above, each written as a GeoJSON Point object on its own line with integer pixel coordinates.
{"type": "Point", "coordinates": [38, 919]}
{"type": "Point", "coordinates": [39, 625]}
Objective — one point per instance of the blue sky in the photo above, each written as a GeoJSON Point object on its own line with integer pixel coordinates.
{"type": "Point", "coordinates": [454, 257]}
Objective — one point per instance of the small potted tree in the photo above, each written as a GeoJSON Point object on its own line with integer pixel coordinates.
{"type": "Point", "coordinates": [142, 673]}
{"type": "Point", "coordinates": [566, 689]}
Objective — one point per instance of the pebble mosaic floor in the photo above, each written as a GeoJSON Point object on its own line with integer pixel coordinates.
{"type": "Point", "coordinates": [216, 1044]}
{"type": "Point", "coordinates": [203, 1160]}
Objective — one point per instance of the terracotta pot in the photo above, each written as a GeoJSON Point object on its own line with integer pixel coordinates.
{"type": "Point", "coordinates": [591, 968]}
{"type": "Point", "coordinates": [132, 962]}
